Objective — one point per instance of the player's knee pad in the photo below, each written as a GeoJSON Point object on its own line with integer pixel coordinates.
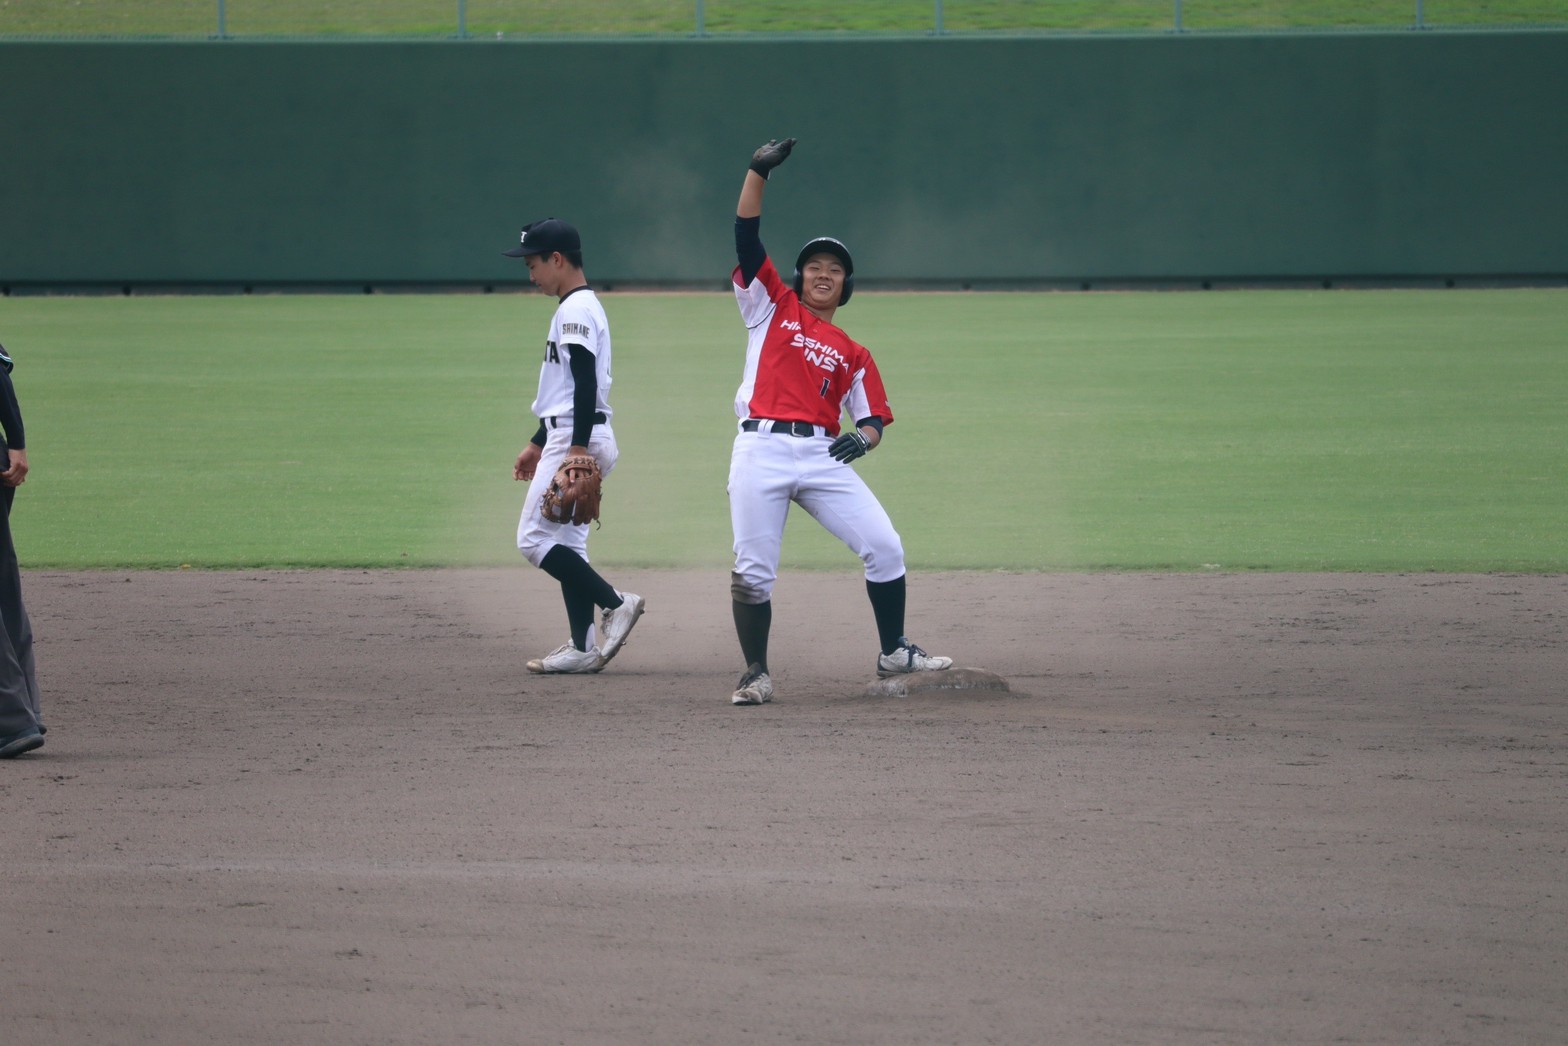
{"type": "Point", "coordinates": [749, 590]}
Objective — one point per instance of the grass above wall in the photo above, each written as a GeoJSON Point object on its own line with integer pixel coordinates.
{"type": "Point", "coordinates": [1237, 430]}
{"type": "Point", "coordinates": [486, 18]}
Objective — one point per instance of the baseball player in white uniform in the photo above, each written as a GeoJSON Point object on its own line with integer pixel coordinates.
{"type": "Point", "coordinates": [802, 375]}
{"type": "Point", "coordinates": [573, 408]}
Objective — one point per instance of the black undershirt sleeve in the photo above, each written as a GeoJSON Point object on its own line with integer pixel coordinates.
{"type": "Point", "coordinates": [585, 393]}
{"type": "Point", "coordinates": [749, 251]}
{"type": "Point", "coordinates": [10, 416]}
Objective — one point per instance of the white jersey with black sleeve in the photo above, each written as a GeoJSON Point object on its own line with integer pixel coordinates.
{"type": "Point", "coordinates": [579, 320]}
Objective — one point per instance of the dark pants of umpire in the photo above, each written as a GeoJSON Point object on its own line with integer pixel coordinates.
{"type": "Point", "coordinates": [18, 678]}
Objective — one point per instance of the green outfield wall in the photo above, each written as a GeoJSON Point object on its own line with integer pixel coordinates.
{"type": "Point", "coordinates": [1301, 156]}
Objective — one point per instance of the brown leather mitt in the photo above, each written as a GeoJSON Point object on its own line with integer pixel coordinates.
{"type": "Point", "coordinates": [574, 492]}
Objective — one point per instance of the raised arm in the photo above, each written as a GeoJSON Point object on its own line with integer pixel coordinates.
{"type": "Point", "coordinates": [749, 252]}
{"type": "Point", "coordinates": [763, 160]}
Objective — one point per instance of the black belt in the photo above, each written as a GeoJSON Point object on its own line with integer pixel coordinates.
{"type": "Point", "coordinates": [555, 423]}
{"type": "Point", "coordinates": [785, 428]}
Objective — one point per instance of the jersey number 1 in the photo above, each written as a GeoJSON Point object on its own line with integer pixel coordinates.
{"type": "Point", "coordinates": [825, 383]}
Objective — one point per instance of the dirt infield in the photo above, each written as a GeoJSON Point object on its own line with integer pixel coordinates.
{"type": "Point", "coordinates": [332, 808]}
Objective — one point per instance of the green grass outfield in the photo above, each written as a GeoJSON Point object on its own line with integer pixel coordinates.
{"type": "Point", "coordinates": [1227, 430]}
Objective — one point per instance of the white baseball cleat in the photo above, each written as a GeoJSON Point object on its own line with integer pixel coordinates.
{"type": "Point", "coordinates": [568, 659]}
{"type": "Point", "coordinates": [754, 688]}
{"type": "Point", "coordinates": [909, 658]}
{"type": "Point", "coordinates": [617, 624]}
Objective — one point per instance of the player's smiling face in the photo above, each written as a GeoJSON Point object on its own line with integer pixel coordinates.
{"type": "Point", "coordinates": [822, 281]}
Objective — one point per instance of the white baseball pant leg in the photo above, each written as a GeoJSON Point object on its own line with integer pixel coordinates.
{"type": "Point", "coordinates": [536, 536]}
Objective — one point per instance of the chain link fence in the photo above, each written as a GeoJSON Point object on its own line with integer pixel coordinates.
{"type": "Point", "coordinates": [514, 19]}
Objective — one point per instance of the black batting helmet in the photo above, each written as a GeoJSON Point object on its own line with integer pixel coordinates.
{"type": "Point", "coordinates": [826, 245]}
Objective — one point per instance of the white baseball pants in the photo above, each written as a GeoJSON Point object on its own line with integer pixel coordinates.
{"type": "Point", "coordinates": [768, 470]}
{"type": "Point", "coordinates": [536, 535]}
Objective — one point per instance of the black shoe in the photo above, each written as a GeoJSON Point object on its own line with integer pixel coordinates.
{"type": "Point", "coordinates": [16, 744]}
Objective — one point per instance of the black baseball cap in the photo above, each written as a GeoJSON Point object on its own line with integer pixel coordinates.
{"type": "Point", "coordinates": [546, 237]}
{"type": "Point", "coordinates": [826, 245]}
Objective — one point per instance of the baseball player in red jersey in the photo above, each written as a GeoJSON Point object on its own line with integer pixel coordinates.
{"type": "Point", "coordinates": [573, 408]}
{"type": "Point", "coordinates": [802, 375]}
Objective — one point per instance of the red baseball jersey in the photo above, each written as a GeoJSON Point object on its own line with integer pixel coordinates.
{"type": "Point", "coordinates": [798, 367]}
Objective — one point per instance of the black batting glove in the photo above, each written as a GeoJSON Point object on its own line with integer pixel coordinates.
{"type": "Point", "coordinates": [851, 445]}
{"type": "Point", "coordinates": [771, 155]}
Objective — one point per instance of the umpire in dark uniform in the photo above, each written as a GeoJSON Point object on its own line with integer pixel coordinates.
{"type": "Point", "coordinates": [20, 730]}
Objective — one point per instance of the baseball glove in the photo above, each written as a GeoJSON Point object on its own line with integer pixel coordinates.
{"type": "Point", "coordinates": [574, 493]}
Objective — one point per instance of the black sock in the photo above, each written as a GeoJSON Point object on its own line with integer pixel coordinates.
{"type": "Point", "coordinates": [582, 589]}
{"type": "Point", "coordinates": [569, 568]}
{"type": "Point", "coordinates": [579, 615]}
{"type": "Point", "coordinates": [752, 622]}
{"type": "Point", "coordinates": [887, 603]}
